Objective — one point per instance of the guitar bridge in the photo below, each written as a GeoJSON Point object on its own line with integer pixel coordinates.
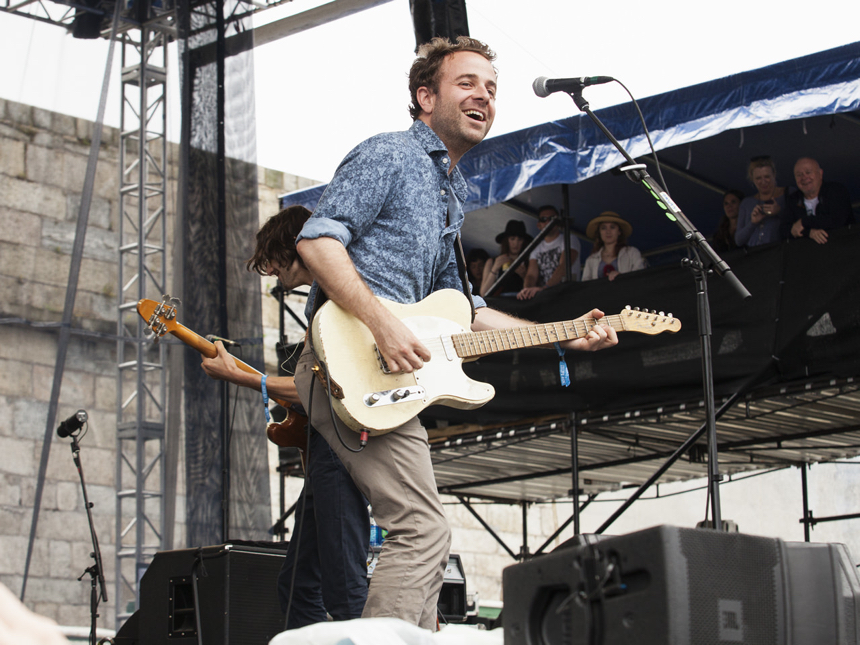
{"type": "Point", "coordinates": [381, 360]}
{"type": "Point", "coordinates": [397, 395]}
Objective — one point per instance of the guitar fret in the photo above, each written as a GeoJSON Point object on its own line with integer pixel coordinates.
{"type": "Point", "coordinates": [472, 344]}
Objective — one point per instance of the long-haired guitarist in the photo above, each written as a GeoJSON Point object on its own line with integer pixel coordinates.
{"type": "Point", "coordinates": [386, 226]}
{"type": "Point", "coordinates": [331, 574]}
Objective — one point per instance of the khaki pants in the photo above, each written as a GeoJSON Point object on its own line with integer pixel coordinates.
{"type": "Point", "coordinates": [395, 474]}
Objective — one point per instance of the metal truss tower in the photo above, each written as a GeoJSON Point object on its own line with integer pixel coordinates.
{"type": "Point", "coordinates": [141, 375]}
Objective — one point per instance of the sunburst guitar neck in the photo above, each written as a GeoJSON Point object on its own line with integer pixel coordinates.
{"type": "Point", "coordinates": [161, 318]}
{"type": "Point", "coordinates": [368, 397]}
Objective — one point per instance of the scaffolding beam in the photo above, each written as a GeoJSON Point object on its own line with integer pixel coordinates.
{"type": "Point", "coordinates": [141, 374]}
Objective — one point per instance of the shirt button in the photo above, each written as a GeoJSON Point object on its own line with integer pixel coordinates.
{"type": "Point", "coordinates": [442, 192]}
{"type": "Point", "coordinates": [444, 159]}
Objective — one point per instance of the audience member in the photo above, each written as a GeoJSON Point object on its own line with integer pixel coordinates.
{"type": "Point", "coordinates": [512, 240]}
{"type": "Point", "coordinates": [611, 255]}
{"type": "Point", "coordinates": [548, 262]}
{"type": "Point", "coordinates": [759, 215]}
{"type": "Point", "coordinates": [475, 260]}
{"type": "Point", "coordinates": [819, 206]}
{"type": "Point", "coordinates": [724, 238]}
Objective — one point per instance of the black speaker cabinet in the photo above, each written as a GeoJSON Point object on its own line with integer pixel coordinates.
{"type": "Point", "coordinates": [679, 586]}
{"type": "Point", "coordinates": [236, 588]}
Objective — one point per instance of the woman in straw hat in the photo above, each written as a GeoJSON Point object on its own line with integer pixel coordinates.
{"type": "Point", "coordinates": [512, 240]}
{"type": "Point", "coordinates": [611, 255]}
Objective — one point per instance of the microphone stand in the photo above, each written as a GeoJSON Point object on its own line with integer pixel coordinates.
{"type": "Point", "coordinates": [96, 571]}
{"type": "Point", "coordinates": [704, 260]}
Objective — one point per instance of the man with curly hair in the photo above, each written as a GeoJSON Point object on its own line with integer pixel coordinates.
{"type": "Point", "coordinates": [386, 226]}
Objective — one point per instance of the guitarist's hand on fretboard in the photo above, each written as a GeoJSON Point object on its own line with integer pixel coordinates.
{"type": "Point", "coordinates": [598, 337]}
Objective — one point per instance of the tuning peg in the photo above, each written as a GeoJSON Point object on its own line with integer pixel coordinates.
{"type": "Point", "coordinates": [635, 308]}
{"type": "Point", "coordinates": [662, 314]}
{"type": "Point", "coordinates": [671, 316]}
{"type": "Point", "coordinates": [627, 307]}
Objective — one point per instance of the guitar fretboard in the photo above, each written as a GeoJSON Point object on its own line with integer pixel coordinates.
{"type": "Point", "coordinates": [478, 343]}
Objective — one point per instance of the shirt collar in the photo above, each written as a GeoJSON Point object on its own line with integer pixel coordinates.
{"type": "Point", "coordinates": [428, 139]}
{"type": "Point", "coordinates": [431, 143]}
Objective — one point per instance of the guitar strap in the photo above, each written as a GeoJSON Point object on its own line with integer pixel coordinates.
{"type": "Point", "coordinates": [464, 275]}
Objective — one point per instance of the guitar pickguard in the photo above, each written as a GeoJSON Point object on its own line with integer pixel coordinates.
{"type": "Point", "coordinates": [347, 347]}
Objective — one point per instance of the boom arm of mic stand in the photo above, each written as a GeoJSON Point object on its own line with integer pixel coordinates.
{"type": "Point", "coordinates": [669, 208]}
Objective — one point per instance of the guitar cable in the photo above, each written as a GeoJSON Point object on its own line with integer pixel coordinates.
{"type": "Point", "coordinates": [300, 522]}
{"type": "Point", "coordinates": [363, 434]}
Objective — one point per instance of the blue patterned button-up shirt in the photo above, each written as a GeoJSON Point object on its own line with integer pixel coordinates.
{"type": "Point", "coordinates": [388, 204]}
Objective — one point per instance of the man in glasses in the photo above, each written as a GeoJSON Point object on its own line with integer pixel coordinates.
{"type": "Point", "coordinates": [548, 260]}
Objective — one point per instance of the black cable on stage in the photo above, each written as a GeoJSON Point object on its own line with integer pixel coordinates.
{"type": "Point", "coordinates": [299, 525]}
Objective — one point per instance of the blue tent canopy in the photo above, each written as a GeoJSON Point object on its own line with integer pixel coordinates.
{"type": "Point", "coordinates": [707, 131]}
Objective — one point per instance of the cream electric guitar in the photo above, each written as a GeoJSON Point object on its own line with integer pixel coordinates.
{"type": "Point", "coordinates": [366, 396]}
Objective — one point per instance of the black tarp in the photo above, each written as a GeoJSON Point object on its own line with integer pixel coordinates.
{"type": "Point", "coordinates": [804, 311]}
{"type": "Point", "coordinates": [220, 220]}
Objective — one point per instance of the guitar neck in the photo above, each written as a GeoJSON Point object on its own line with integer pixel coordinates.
{"type": "Point", "coordinates": [210, 351]}
{"type": "Point", "coordinates": [480, 343]}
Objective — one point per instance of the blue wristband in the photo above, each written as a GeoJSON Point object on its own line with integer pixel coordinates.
{"type": "Point", "coordinates": [265, 398]}
{"type": "Point", "coordinates": [563, 372]}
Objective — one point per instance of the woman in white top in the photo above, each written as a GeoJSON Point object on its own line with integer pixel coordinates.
{"type": "Point", "coordinates": [610, 255]}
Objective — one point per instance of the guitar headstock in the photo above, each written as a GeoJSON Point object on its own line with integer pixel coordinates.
{"type": "Point", "coordinates": [160, 317]}
{"type": "Point", "coordinates": [648, 322]}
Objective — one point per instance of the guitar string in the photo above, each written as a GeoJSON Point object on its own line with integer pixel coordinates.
{"type": "Point", "coordinates": [495, 339]}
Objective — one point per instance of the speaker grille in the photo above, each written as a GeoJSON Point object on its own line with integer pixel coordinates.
{"type": "Point", "coordinates": [732, 583]}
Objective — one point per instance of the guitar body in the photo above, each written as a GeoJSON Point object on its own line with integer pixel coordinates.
{"type": "Point", "coordinates": [348, 350]}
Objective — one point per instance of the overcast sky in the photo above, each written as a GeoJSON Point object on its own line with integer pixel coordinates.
{"type": "Point", "coordinates": [320, 92]}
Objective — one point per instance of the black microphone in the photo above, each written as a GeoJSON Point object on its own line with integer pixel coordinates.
{"type": "Point", "coordinates": [227, 342]}
{"type": "Point", "coordinates": [544, 86]}
{"type": "Point", "coordinates": [72, 424]}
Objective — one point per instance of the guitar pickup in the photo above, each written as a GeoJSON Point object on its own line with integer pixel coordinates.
{"type": "Point", "coordinates": [397, 395]}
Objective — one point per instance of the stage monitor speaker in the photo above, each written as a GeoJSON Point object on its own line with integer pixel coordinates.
{"type": "Point", "coordinates": [236, 587]}
{"type": "Point", "coordinates": [680, 586]}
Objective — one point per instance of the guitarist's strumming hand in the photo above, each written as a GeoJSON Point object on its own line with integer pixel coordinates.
{"type": "Point", "coordinates": [402, 351]}
{"type": "Point", "coordinates": [599, 337]}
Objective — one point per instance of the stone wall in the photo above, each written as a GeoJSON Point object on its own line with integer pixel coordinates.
{"type": "Point", "coordinates": [43, 160]}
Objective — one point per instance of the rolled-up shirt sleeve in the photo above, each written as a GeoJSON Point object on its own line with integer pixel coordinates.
{"type": "Point", "coordinates": [317, 227]}
{"type": "Point", "coordinates": [356, 194]}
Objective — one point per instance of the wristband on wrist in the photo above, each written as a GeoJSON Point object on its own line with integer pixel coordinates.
{"type": "Point", "coordinates": [265, 398]}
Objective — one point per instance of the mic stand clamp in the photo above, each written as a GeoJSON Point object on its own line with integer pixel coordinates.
{"type": "Point", "coordinates": [706, 260]}
{"type": "Point", "coordinates": [98, 590]}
